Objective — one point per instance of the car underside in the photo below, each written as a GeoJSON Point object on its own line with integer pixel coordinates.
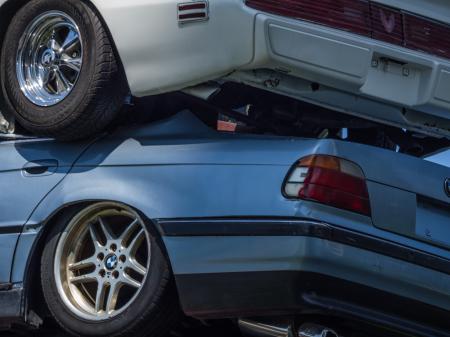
{"type": "Point", "coordinates": [262, 112]}
{"type": "Point", "coordinates": [257, 111]}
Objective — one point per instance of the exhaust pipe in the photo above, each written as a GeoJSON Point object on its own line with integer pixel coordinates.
{"type": "Point", "coordinates": [259, 329]}
{"type": "Point", "coordinates": [315, 330]}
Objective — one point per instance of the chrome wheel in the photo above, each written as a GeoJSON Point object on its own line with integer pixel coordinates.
{"type": "Point", "coordinates": [49, 58]}
{"type": "Point", "coordinates": [102, 260]}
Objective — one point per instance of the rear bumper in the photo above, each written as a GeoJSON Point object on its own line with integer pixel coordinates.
{"type": "Point", "coordinates": [282, 293]}
{"type": "Point", "coordinates": [353, 62]}
{"type": "Point", "coordinates": [386, 78]}
{"type": "Point", "coordinates": [251, 267]}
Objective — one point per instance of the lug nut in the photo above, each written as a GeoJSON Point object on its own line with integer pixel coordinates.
{"type": "Point", "coordinates": [101, 256]}
{"type": "Point", "coordinates": [113, 247]}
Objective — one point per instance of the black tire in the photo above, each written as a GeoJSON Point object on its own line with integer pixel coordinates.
{"type": "Point", "coordinates": [153, 313]}
{"type": "Point", "coordinates": [97, 95]}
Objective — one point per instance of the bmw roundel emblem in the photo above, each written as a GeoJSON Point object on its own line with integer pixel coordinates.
{"type": "Point", "coordinates": [447, 186]}
{"type": "Point", "coordinates": [111, 262]}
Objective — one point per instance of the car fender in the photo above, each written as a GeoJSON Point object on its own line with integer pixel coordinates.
{"type": "Point", "coordinates": [159, 54]}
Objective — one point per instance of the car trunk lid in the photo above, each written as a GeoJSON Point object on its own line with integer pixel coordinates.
{"type": "Point", "coordinates": [408, 195]}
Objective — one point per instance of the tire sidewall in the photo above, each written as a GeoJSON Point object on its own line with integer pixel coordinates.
{"type": "Point", "coordinates": [147, 299]}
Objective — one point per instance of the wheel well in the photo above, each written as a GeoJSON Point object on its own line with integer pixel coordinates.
{"type": "Point", "coordinates": [34, 298]}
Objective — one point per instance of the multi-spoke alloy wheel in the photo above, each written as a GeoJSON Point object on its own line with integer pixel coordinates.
{"type": "Point", "coordinates": [49, 58]}
{"type": "Point", "coordinates": [102, 260]}
{"type": "Point", "coordinates": [104, 274]}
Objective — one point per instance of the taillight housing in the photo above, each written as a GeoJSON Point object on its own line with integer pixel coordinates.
{"type": "Point", "coordinates": [349, 15]}
{"type": "Point", "coordinates": [367, 18]}
{"type": "Point", "coordinates": [331, 181]}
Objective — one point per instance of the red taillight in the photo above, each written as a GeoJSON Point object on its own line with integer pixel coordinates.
{"type": "Point", "coordinates": [350, 15]}
{"type": "Point", "coordinates": [329, 180]}
{"type": "Point", "coordinates": [427, 36]}
{"type": "Point", "coordinates": [367, 18]}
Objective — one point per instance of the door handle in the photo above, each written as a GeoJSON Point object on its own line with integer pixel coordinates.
{"type": "Point", "coordinates": [39, 168]}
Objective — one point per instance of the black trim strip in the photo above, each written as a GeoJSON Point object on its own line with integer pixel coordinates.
{"type": "Point", "coordinates": [297, 227]}
{"type": "Point", "coordinates": [11, 230]}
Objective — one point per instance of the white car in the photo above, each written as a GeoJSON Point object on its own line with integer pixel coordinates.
{"type": "Point", "coordinates": [67, 66]}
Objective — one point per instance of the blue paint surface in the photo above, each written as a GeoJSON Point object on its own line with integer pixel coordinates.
{"type": "Point", "coordinates": [179, 168]}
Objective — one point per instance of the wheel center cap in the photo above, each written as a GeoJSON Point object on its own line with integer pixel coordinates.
{"type": "Point", "coordinates": [111, 262]}
{"type": "Point", "coordinates": [48, 57]}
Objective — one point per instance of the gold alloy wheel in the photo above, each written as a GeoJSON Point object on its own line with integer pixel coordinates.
{"type": "Point", "coordinates": [102, 261]}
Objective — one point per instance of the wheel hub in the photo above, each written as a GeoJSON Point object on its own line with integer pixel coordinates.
{"type": "Point", "coordinates": [48, 58]}
{"type": "Point", "coordinates": [111, 262]}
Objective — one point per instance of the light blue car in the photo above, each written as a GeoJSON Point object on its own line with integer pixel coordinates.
{"type": "Point", "coordinates": [110, 237]}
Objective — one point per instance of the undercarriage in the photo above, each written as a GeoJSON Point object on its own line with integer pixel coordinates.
{"type": "Point", "coordinates": [257, 111]}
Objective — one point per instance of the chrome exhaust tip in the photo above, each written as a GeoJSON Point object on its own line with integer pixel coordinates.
{"type": "Point", "coordinates": [259, 329]}
{"type": "Point", "coordinates": [315, 330]}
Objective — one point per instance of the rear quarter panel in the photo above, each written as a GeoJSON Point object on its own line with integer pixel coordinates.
{"type": "Point", "coordinates": [160, 55]}
{"type": "Point", "coordinates": [179, 169]}
{"type": "Point", "coordinates": [214, 175]}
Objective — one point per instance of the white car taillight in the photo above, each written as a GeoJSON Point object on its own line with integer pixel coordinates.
{"type": "Point", "coordinates": [329, 180]}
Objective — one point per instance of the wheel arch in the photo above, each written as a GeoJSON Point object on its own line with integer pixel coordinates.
{"type": "Point", "coordinates": [33, 296]}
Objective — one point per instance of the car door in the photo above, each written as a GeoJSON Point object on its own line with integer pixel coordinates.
{"type": "Point", "coordinates": [29, 169]}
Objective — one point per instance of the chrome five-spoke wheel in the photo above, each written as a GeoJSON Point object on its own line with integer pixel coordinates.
{"type": "Point", "coordinates": [61, 76]}
{"type": "Point", "coordinates": [102, 261]}
{"type": "Point", "coordinates": [49, 58]}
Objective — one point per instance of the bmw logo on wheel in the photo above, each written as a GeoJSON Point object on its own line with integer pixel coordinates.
{"type": "Point", "coordinates": [111, 262]}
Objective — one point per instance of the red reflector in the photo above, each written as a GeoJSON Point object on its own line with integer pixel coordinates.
{"type": "Point", "coordinates": [426, 35]}
{"type": "Point", "coordinates": [191, 7]}
{"type": "Point", "coordinates": [192, 16]}
{"type": "Point", "coordinates": [335, 198]}
{"type": "Point", "coordinates": [226, 126]}
{"type": "Point", "coordinates": [366, 18]}
{"type": "Point", "coordinates": [192, 11]}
